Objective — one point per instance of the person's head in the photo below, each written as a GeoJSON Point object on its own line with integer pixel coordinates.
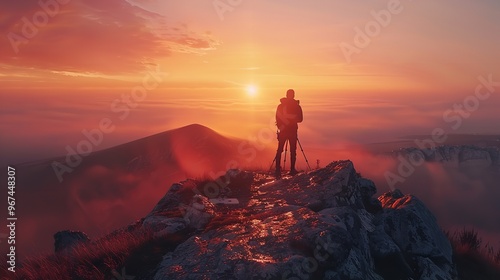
{"type": "Point", "coordinates": [290, 93]}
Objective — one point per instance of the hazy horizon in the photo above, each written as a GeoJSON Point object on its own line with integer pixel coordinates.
{"type": "Point", "coordinates": [328, 122]}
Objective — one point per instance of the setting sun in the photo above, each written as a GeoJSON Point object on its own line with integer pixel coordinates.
{"type": "Point", "coordinates": [251, 90]}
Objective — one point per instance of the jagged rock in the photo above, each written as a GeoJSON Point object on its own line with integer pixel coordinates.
{"type": "Point", "coordinates": [67, 239]}
{"type": "Point", "coordinates": [199, 212]}
{"type": "Point", "coordinates": [333, 186]}
{"type": "Point", "coordinates": [415, 231]}
{"type": "Point", "coordinates": [178, 194]}
{"type": "Point", "coordinates": [278, 235]}
{"type": "Point", "coordinates": [285, 243]}
{"type": "Point", "coordinates": [164, 226]}
{"type": "Point", "coordinates": [387, 256]}
{"type": "Point", "coordinates": [429, 270]}
{"type": "Point", "coordinates": [355, 268]}
{"type": "Point", "coordinates": [381, 244]}
{"type": "Point", "coordinates": [368, 190]}
{"type": "Point", "coordinates": [235, 183]}
{"type": "Point", "coordinates": [323, 224]}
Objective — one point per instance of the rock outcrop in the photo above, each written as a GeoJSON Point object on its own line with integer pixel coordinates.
{"type": "Point", "coordinates": [323, 224]}
{"type": "Point", "coordinates": [459, 156]}
{"type": "Point", "coordinates": [414, 230]}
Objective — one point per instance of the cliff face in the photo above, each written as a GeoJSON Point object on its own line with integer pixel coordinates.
{"type": "Point", "coordinates": [324, 224]}
{"type": "Point", "coordinates": [458, 156]}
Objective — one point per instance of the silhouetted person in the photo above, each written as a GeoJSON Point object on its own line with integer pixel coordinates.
{"type": "Point", "coordinates": [288, 115]}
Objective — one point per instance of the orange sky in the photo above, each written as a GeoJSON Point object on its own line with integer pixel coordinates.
{"type": "Point", "coordinates": [63, 65]}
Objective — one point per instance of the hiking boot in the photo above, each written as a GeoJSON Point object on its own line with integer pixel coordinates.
{"type": "Point", "coordinates": [293, 172]}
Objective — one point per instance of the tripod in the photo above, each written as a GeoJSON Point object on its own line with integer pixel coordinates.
{"type": "Point", "coordinates": [286, 147]}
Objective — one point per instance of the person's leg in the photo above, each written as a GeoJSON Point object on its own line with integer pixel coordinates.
{"type": "Point", "coordinates": [281, 144]}
{"type": "Point", "coordinates": [293, 150]}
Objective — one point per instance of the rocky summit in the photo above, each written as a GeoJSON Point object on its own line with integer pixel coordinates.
{"type": "Point", "coordinates": [322, 224]}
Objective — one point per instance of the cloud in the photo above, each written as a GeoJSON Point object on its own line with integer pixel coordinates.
{"type": "Point", "coordinates": [184, 41]}
{"type": "Point", "coordinates": [92, 36]}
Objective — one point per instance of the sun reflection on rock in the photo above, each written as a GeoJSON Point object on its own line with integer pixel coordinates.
{"type": "Point", "coordinates": [312, 225]}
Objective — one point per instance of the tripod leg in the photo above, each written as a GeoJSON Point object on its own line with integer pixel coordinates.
{"type": "Point", "coordinates": [271, 167]}
{"type": "Point", "coordinates": [300, 145]}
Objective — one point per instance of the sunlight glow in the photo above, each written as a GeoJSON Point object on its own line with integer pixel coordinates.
{"type": "Point", "coordinates": [251, 90]}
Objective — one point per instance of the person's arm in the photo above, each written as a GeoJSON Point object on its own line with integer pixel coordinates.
{"type": "Point", "coordinates": [279, 117]}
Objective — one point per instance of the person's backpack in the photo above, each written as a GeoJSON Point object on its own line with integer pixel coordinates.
{"type": "Point", "coordinates": [289, 113]}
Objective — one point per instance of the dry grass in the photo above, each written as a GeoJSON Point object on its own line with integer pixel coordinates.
{"type": "Point", "coordinates": [473, 259]}
{"type": "Point", "coordinates": [102, 259]}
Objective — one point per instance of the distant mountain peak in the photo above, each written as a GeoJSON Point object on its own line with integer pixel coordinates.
{"type": "Point", "coordinates": [195, 126]}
